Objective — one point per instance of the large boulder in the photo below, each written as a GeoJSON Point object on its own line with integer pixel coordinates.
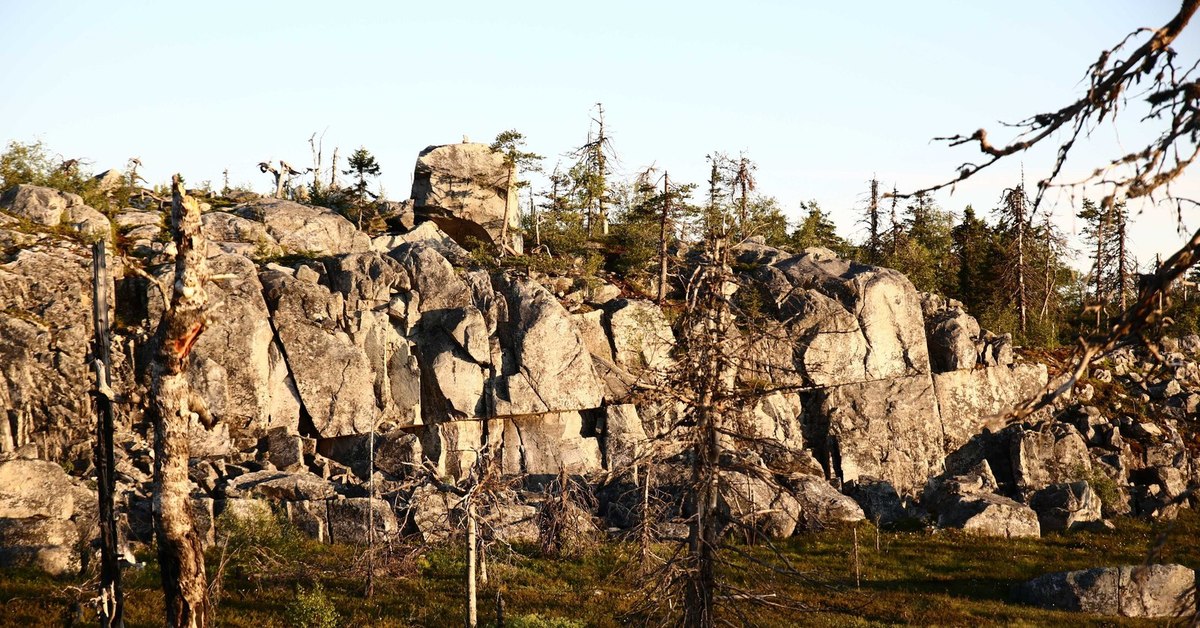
{"type": "Point", "coordinates": [44, 513]}
{"type": "Point", "coordinates": [305, 229]}
{"type": "Point", "coordinates": [35, 488]}
{"type": "Point", "coordinates": [226, 227]}
{"type": "Point", "coordinates": [1048, 456]}
{"type": "Point", "coordinates": [1129, 591]}
{"type": "Point", "coordinates": [231, 363]}
{"type": "Point", "coordinates": [749, 501]}
{"type": "Point", "coordinates": [821, 344]}
{"type": "Point", "coordinates": [988, 514]}
{"type": "Point", "coordinates": [952, 335]}
{"type": "Point", "coordinates": [465, 188]}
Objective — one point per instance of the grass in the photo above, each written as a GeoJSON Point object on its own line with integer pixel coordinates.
{"type": "Point", "coordinates": [917, 578]}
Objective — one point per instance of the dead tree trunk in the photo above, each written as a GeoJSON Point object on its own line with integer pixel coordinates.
{"type": "Point", "coordinates": [472, 548]}
{"type": "Point", "coordinates": [662, 238]}
{"type": "Point", "coordinates": [112, 598]}
{"type": "Point", "coordinates": [181, 560]}
{"type": "Point", "coordinates": [709, 365]}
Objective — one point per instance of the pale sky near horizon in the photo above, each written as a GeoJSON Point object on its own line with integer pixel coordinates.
{"type": "Point", "coordinates": [821, 95]}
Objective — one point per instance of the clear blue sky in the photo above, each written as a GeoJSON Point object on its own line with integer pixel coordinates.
{"type": "Point", "coordinates": [820, 95]}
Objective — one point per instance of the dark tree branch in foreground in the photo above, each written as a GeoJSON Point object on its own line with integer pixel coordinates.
{"type": "Point", "coordinates": [1173, 96]}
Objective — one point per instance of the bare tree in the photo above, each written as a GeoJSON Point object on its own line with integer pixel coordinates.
{"type": "Point", "coordinates": [174, 409]}
{"type": "Point", "coordinates": [283, 175]}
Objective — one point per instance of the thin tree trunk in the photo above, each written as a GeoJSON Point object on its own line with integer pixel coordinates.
{"type": "Point", "coordinates": [112, 597]}
{"type": "Point", "coordinates": [646, 529]}
{"type": "Point", "coordinates": [1122, 271]}
{"type": "Point", "coordinates": [1019, 214]}
{"type": "Point", "coordinates": [662, 239]}
{"type": "Point", "coordinates": [181, 560]}
{"type": "Point", "coordinates": [533, 215]}
{"type": "Point", "coordinates": [507, 204]}
{"type": "Point", "coordinates": [472, 609]}
{"type": "Point", "coordinates": [873, 222]}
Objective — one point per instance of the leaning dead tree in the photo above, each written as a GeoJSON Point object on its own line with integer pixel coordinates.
{"type": "Point", "coordinates": [111, 600]}
{"type": "Point", "coordinates": [1150, 75]}
{"type": "Point", "coordinates": [283, 174]}
{"type": "Point", "coordinates": [180, 557]}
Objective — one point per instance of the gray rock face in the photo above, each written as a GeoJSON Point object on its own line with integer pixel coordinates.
{"type": "Point", "coordinates": [624, 436]}
{"type": "Point", "coordinates": [1066, 506]}
{"type": "Point", "coordinates": [547, 444]}
{"type": "Point", "coordinates": [1040, 459]}
{"type": "Point", "coordinates": [43, 514]}
{"type": "Point", "coordinates": [968, 400]}
{"type": "Point", "coordinates": [332, 375]}
{"type": "Point", "coordinates": [44, 206]}
{"type": "Point", "coordinates": [552, 369]}
{"type": "Point", "coordinates": [1129, 591]}
{"type": "Point", "coordinates": [887, 429]}
{"type": "Point", "coordinates": [45, 330]}
{"type": "Point", "coordinates": [642, 339]}
{"type": "Point", "coordinates": [821, 345]}
{"type": "Point", "coordinates": [885, 303]}
{"type": "Point", "coordinates": [464, 188]}
{"type": "Point", "coordinates": [227, 227]}
{"type": "Point", "coordinates": [305, 229]}
{"type": "Point", "coordinates": [232, 367]}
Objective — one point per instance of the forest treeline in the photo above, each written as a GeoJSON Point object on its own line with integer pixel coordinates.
{"type": "Point", "coordinates": [1009, 264]}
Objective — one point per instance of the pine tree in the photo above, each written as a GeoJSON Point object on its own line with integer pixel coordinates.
{"type": "Point", "coordinates": [362, 164]}
{"type": "Point", "coordinates": [973, 250]}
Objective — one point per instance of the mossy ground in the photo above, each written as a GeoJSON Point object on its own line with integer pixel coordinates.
{"type": "Point", "coordinates": [918, 578]}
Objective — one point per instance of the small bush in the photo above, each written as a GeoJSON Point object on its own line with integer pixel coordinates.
{"type": "Point", "coordinates": [312, 609]}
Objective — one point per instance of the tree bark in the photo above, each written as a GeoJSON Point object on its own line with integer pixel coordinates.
{"type": "Point", "coordinates": [181, 560]}
{"type": "Point", "coordinates": [112, 598]}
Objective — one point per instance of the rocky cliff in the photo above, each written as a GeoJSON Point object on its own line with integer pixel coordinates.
{"type": "Point", "coordinates": [323, 336]}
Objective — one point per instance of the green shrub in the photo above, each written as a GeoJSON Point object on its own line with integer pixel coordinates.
{"type": "Point", "coordinates": [312, 609]}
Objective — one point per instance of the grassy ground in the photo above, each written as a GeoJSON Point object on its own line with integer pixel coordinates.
{"type": "Point", "coordinates": [921, 578]}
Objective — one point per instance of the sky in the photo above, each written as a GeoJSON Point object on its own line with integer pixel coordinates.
{"type": "Point", "coordinates": [822, 96]}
